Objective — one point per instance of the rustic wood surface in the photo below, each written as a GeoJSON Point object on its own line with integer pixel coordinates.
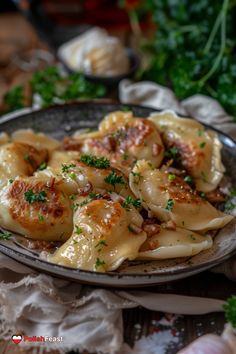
{"type": "Point", "coordinates": [138, 321]}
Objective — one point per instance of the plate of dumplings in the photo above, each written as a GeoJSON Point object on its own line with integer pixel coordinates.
{"type": "Point", "coordinates": [116, 195]}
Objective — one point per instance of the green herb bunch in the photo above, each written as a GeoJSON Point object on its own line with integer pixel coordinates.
{"type": "Point", "coordinates": [194, 48]}
{"type": "Point", "coordinates": [230, 310]}
{"type": "Point", "coordinates": [54, 88]}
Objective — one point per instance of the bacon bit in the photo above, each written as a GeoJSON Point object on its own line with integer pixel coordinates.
{"type": "Point", "coordinates": [215, 196]}
{"type": "Point", "coordinates": [136, 229]}
{"type": "Point", "coordinates": [85, 190]}
{"type": "Point", "coordinates": [152, 229]}
{"type": "Point", "coordinates": [51, 182]}
{"type": "Point", "coordinates": [42, 245]}
{"type": "Point", "coordinates": [156, 149]}
{"type": "Point", "coordinates": [169, 225]}
{"type": "Point", "coordinates": [109, 143]}
{"type": "Point", "coordinates": [71, 144]}
{"type": "Point", "coordinates": [150, 221]}
{"type": "Point", "coordinates": [153, 245]}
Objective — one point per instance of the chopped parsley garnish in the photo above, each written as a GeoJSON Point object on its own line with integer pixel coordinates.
{"type": "Point", "coordinates": [232, 192]}
{"type": "Point", "coordinates": [229, 206]}
{"type": "Point", "coordinates": [131, 229]}
{"type": "Point", "coordinates": [72, 197]}
{"type": "Point", "coordinates": [169, 205]}
{"type": "Point", "coordinates": [188, 179]}
{"type": "Point", "coordinates": [125, 156]}
{"type": "Point", "coordinates": [5, 235]}
{"type": "Point", "coordinates": [42, 166]}
{"type": "Point", "coordinates": [200, 132]}
{"type": "Point", "coordinates": [163, 126]}
{"type": "Point", "coordinates": [137, 177]}
{"type": "Point", "coordinates": [99, 263]}
{"type": "Point", "coordinates": [171, 152]}
{"type": "Point", "coordinates": [230, 310]}
{"type": "Point", "coordinates": [66, 168]}
{"type": "Point", "coordinates": [75, 206]}
{"type": "Point", "coordinates": [28, 158]}
{"type": "Point", "coordinates": [93, 161]}
{"type": "Point", "coordinates": [41, 218]}
{"type": "Point", "coordinates": [72, 175]}
{"type": "Point", "coordinates": [114, 179]}
{"type": "Point", "coordinates": [100, 245]}
{"type": "Point", "coordinates": [78, 230]}
{"type": "Point", "coordinates": [202, 145]}
{"type": "Point", "coordinates": [93, 195]}
{"type": "Point", "coordinates": [171, 177]}
{"type": "Point", "coordinates": [150, 165]}
{"type": "Point", "coordinates": [32, 197]}
{"type": "Point", "coordinates": [203, 195]}
{"type": "Point", "coordinates": [11, 180]}
{"type": "Point", "coordinates": [192, 237]}
{"type": "Point", "coordinates": [131, 201]}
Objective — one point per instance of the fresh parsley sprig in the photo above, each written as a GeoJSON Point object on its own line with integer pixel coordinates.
{"type": "Point", "coordinates": [131, 201]}
{"type": "Point", "coordinates": [114, 179]}
{"type": "Point", "coordinates": [32, 197]}
{"type": "Point", "coordinates": [5, 235]}
{"type": "Point", "coordinates": [230, 310]}
{"type": "Point", "coordinates": [94, 161]}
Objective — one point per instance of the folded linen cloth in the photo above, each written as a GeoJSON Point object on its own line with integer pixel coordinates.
{"type": "Point", "coordinates": [203, 108]}
{"type": "Point", "coordinates": [35, 304]}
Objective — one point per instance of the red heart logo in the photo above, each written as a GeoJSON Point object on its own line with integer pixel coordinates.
{"type": "Point", "coordinates": [16, 339]}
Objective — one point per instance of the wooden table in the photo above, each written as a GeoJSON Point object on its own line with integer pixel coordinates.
{"type": "Point", "coordinates": [139, 321]}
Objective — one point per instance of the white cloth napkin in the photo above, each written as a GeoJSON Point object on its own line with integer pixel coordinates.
{"type": "Point", "coordinates": [91, 318]}
{"type": "Point", "coordinates": [200, 107]}
{"type": "Point", "coordinates": [87, 318]}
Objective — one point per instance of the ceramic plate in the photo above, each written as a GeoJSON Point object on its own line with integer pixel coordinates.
{"type": "Point", "coordinates": [64, 120]}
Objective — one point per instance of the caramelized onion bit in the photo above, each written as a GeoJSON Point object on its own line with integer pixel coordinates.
{"type": "Point", "coordinates": [169, 225]}
{"type": "Point", "coordinates": [152, 229]}
{"type": "Point", "coordinates": [85, 190]}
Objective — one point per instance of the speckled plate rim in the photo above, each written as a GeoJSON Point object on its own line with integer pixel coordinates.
{"type": "Point", "coordinates": [91, 277]}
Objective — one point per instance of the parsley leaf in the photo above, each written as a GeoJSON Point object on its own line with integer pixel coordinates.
{"type": "Point", "coordinates": [99, 263]}
{"type": "Point", "coordinates": [171, 177]}
{"type": "Point", "coordinates": [169, 205]}
{"type": "Point", "coordinates": [5, 235]}
{"type": "Point", "coordinates": [114, 179]}
{"type": "Point", "coordinates": [66, 168]}
{"type": "Point", "coordinates": [100, 245]}
{"type": "Point", "coordinates": [188, 179]}
{"type": "Point", "coordinates": [202, 145]}
{"type": "Point", "coordinates": [32, 197]}
{"type": "Point", "coordinates": [93, 161]}
{"type": "Point", "coordinates": [14, 99]}
{"type": "Point", "coordinates": [230, 310]}
{"type": "Point", "coordinates": [171, 152]}
{"type": "Point", "coordinates": [42, 166]}
{"type": "Point", "coordinates": [131, 201]}
{"type": "Point", "coordinates": [41, 218]}
{"type": "Point", "coordinates": [78, 230]}
{"type": "Point", "coordinates": [229, 206]}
